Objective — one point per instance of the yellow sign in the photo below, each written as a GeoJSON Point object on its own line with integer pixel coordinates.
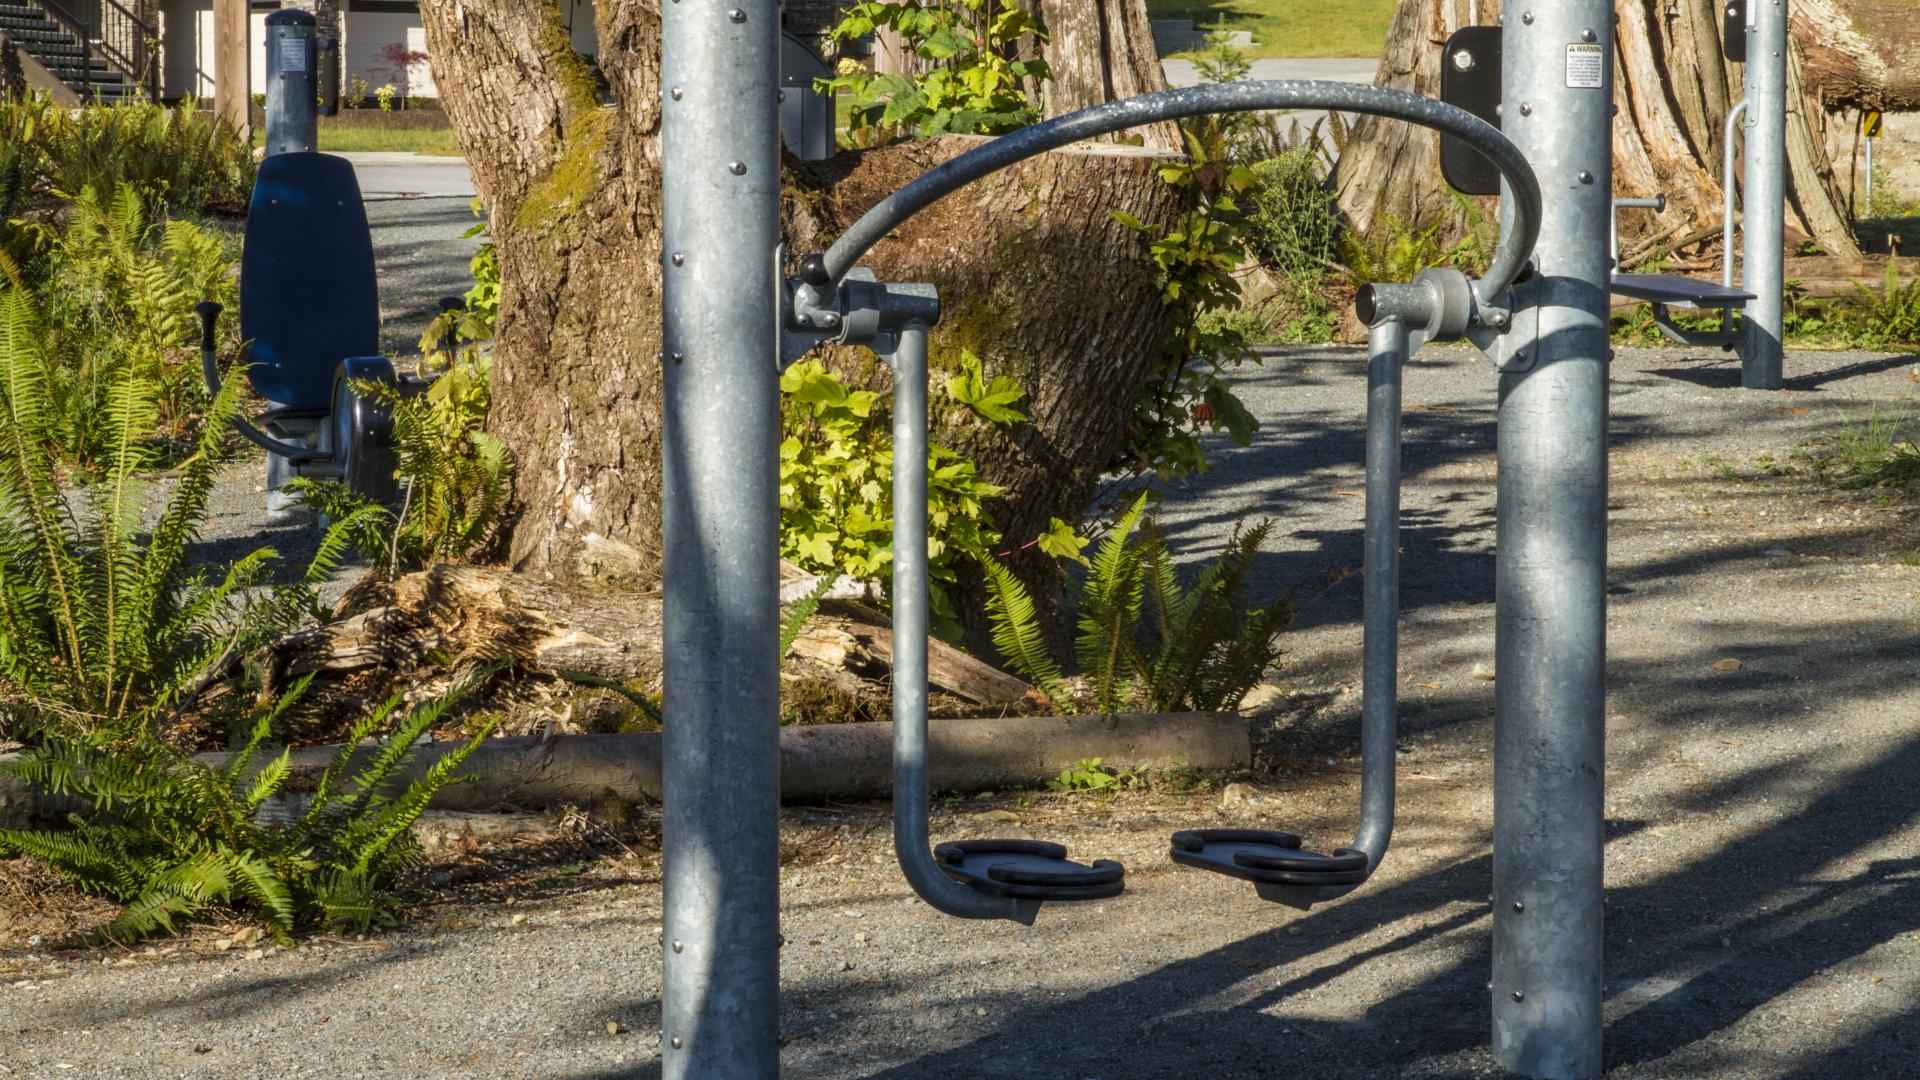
{"type": "Point", "coordinates": [1870, 122]}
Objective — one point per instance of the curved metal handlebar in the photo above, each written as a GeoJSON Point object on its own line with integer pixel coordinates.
{"type": "Point", "coordinates": [1516, 242]}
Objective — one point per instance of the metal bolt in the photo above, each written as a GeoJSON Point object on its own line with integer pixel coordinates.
{"type": "Point", "coordinates": [677, 946]}
{"type": "Point", "coordinates": [1518, 995]}
{"type": "Point", "coordinates": [679, 259]}
{"type": "Point", "coordinates": [1526, 108]}
{"type": "Point", "coordinates": [780, 96]}
{"type": "Point", "coordinates": [737, 168]}
{"type": "Point", "coordinates": [675, 1041]}
{"type": "Point", "coordinates": [830, 320]}
{"type": "Point", "coordinates": [1587, 34]}
{"type": "Point", "coordinates": [675, 93]}
{"type": "Point", "coordinates": [1498, 318]}
{"type": "Point", "coordinates": [737, 15]}
{"type": "Point", "coordinates": [676, 359]}
{"type": "Point", "coordinates": [1518, 906]}
{"type": "Point", "coordinates": [1527, 17]}
{"type": "Point", "coordinates": [1585, 177]}
{"type": "Point", "coordinates": [1489, 986]}
{"type": "Point", "coordinates": [1463, 61]}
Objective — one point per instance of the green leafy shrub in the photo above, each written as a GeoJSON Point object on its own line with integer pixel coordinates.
{"type": "Point", "coordinates": [1187, 391]}
{"type": "Point", "coordinates": [1142, 637]}
{"type": "Point", "coordinates": [457, 476]}
{"type": "Point", "coordinates": [483, 299]}
{"type": "Point", "coordinates": [103, 618]}
{"type": "Point", "coordinates": [971, 82]}
{"type": "Point", "coordinates": [173, 838]}
{"type": "Point", "coordinates": [836, 478]}
{"type": "Point", "coordinates": [114, 286]}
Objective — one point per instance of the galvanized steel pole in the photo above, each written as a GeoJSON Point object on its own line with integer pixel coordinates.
{"type": "Point", "coordinates": [720, 186]}
{"type": "Point", "coordinates": [1764, 195]}
{"type": "Point", "coordinates": [1551, 564]}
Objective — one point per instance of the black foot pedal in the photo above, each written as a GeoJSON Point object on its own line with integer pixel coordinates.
{"type": "Point", "coordinates": [1028, 870]}
{"type": "Point", "coordinates": [1273, 861]}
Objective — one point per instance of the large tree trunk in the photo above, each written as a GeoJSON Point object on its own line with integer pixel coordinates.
{"type": "Point", "coordinates": [1674, 88]}
{"type": "Point", "coordinates": [572, 190]}
{"type": "Point", "coordinates": [1103, 51]}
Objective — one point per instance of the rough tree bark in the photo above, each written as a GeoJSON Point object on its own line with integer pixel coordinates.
{"type": "Point", "coordinates": [1103, 51]}
{"type": "Point", "coordinates": [572, 190]}
{"type": "Point", "coordinates": [1674, 88]}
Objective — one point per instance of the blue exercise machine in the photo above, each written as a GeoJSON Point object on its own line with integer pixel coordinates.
{"type": "Point", "coordinates": [309, 301]}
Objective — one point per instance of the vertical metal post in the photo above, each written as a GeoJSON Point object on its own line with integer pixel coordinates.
{"type": "Point", "coordinates": [293, 103]}
{"type": "Point", "coordinates": [720, 186]}
{"type": "Point", "coordinates": [1550, 610]}
{"type": "Point", "coordinates": [1763, 202]}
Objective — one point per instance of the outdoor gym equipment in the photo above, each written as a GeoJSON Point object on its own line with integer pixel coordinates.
{"type": "Point", "coordinates": [1542, 322]}
{"type": "Point", "coordinates": [1755, 36]}
{"type": "Point", "coordinates": [309, 301]}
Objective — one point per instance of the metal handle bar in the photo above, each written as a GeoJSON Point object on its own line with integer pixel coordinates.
{"type": "Point", "coordinates": [911, 840]}
{"type": "Point", "coordinates": [209, 313]}
{"type": "Point", "coordinates": [1516, 242]}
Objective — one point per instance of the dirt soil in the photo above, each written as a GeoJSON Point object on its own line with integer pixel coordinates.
{"type": "Point", "coordinates": [1764, 819]}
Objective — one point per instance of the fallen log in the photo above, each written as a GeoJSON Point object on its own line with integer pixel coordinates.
{"type": "Point", "coordinates": [823, 761]}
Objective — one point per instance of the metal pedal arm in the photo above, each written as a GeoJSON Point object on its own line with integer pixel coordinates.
{"type": "Point", "coordinates": [911, 836]}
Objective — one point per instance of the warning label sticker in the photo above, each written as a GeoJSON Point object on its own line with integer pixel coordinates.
{"type": "Point", "coordinates": [293, 56]}
{"type": "Point", "coordinates": [1586, 66]}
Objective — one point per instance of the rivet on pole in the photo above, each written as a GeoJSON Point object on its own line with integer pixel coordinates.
{"type": "Point", "coordinates": [1526, 108]}
{"type": "Point", "coordinates": [677, 946]}
{"type": "Point", "coordinates": [675, 93]}
{"type": "Point", "coordinates": [1525, 16]}
{"type": "Point", "coordinates": [1586, 177]}
{"type": "Point", "coordinates": [675, 1041]}
{"type": "Point", "coordinates": [737, 15]}
{"type": "Point", "coordinates": [1587, 34]}
{"type": "Point", "coordinates": [1518, 906]}
{"type": "Point", "coordinates": [737, 168]}
{"type": "Point", "coordinates": [679, 259]}
{"type": "Point", "coordinates": [1518, 995]}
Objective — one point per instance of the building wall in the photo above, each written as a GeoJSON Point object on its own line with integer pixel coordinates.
{"type": "Point", "coordinates": [367, 28]}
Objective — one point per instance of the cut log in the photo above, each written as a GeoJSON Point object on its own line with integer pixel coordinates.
{"type": "Point", "coordinates": [826, 761]}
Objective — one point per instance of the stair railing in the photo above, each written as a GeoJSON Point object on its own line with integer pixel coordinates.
{"type": "Point", "coordinates": [117, 34]}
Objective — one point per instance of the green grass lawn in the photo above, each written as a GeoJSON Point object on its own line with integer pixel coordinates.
{"type": "Point", "coordinates": [436, 141]}
{"type": "Point", "coordinates": [342, 138]}
{"type": "Point", "coordinates": [1291, 27]}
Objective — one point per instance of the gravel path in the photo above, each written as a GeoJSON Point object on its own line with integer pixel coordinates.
{"type": "Point", "coordinates": [1763, 860]}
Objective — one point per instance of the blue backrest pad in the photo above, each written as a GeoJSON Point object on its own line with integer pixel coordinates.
{"type": "Point", "coordinates": [307, 291]}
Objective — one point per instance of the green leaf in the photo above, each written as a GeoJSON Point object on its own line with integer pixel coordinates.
{"type": "Point", "coordinates": [1061, 542]}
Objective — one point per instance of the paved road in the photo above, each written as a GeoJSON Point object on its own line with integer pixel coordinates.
{"type": "Point", "coordinates": [395, 175]}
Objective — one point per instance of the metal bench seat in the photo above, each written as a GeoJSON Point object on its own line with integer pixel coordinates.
{"type": "Point", "coordinates": [1676, 291]}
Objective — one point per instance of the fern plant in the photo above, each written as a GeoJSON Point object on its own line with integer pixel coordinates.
{"type": "Point", "coordinates": [102, 615]}
{"type": "Point", "coordinates": [115, 287]}
{"type": "Point", "coordinates": [457, 475]}
{"type": "Point", "coordinates": [173, 838]}
{"type": "Point", "coordinates": [1144, 637]}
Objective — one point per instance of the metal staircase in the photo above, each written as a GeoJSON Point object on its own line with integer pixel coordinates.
{"type": "Point", "coordinates": [100, 50]}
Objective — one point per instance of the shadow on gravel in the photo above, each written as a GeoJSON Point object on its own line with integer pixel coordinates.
{"type": "Point", "coordinates": [1722, 374]}
{"type": "Point", "coordinates": [1672, 984]}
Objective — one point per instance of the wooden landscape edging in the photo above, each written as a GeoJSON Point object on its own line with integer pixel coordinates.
{"type": "Point", "coordinates": [823, 761]}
